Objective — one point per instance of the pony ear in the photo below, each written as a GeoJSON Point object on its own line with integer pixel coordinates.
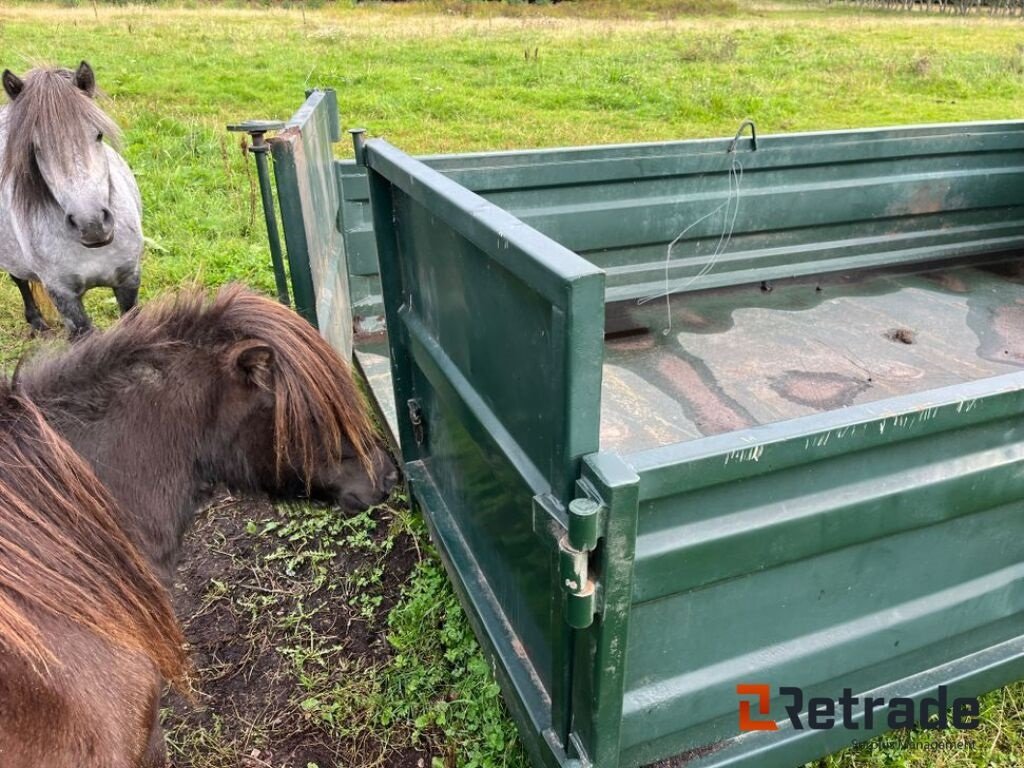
{"type": "Point", "coordinates": [85, 78]}
{"type": "Point", "coordinates": [12, 84]}
{"type": "Point", "coordinates": [254, 360]}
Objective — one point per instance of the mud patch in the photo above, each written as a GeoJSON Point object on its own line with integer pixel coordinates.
{"type": "Point", "coordinates": [822, 391]}
{"type": "Point", "coordinates": [901, 335]}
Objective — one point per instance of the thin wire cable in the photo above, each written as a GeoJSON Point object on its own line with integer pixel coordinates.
{"type": "Point", "coordinates": [732, 201]}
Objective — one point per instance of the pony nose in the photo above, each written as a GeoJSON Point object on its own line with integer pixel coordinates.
{"type": "Point", "coordinates": [93, 230]}
{"type": "Point", "coordinates": [390, 480]}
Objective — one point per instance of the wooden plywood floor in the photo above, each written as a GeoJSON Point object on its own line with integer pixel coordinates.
{"type": "Point", "coordinates": [739, 357]}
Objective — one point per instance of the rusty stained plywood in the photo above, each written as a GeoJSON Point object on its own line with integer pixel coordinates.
{"type": "Point", "coordinates": [750, 355]}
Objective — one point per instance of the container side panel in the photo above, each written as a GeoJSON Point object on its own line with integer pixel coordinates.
{"type": "Point", "coordinates": [874, 553]}
{"type": "Point", "coordinates": [778, 212]}
{"type": "Point", "coordinates": [308, 193]}
{"type": "Point", "coordinates": [801, 204]}
{"type": "Point", "coordinates": [496, 339]}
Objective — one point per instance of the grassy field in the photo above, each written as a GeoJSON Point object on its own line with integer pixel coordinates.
{"type": "Point", "coordinates": [458, 76]}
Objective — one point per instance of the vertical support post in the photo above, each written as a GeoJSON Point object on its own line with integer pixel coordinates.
{"type": "Point", "coordinates": [332, 110]}
{"type": "Point", "coordinates": [359, 144]}
{"type": "Point", "coordinates": [287, 174]}
{"type": "Point", "coordinates": [257, 130]}
{"type": "Point", "coordinates": [599, 665]}
{"type": "Point", "coordinates": [259, 148]}
{"type": "Point", "coordinates": [392, 285]}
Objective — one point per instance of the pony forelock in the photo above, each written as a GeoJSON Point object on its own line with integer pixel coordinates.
{"type": "Point", "coordinates": [52, 116]}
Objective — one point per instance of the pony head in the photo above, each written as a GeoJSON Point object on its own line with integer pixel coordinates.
{"type": "Point", "coordinates": [55, 153]}
{"type": "Point", "coordinates": [259, 399]}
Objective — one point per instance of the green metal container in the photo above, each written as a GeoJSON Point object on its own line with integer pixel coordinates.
{"type": "Point", "coordinates": [803, 468]}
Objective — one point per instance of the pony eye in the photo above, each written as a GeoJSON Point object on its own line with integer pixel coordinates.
{"type": "Point", "coordinates": [99, 136]}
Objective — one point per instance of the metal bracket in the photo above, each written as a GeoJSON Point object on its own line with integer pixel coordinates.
{"type": "Point", "coordinates": [574, 551]}
{"type": "Point", "coordinates": [416, 419]}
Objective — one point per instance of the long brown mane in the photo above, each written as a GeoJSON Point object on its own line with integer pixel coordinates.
{"type": "Point", "coordinates": [317, 402]}
{"type": "Point", "coordinates": [54, 116]}
{"type": "Point", "coordinates": [62, 552]}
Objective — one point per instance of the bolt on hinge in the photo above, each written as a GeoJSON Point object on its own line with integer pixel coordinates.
{"type": "Point", "coordinates": [574, 553]}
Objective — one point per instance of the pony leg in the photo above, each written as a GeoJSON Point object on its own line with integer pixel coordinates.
{"type": "Point", "coordinates": [32, 314]}
{"type": "Point", "coordinates": [70, 307]}
{"type": "Point", "coordinates": [156, 750]}
{"type": "Point", "coordinates": [127, 296]}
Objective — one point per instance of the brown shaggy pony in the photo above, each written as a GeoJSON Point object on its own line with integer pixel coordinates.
{"type": "Point", "coordinates": [195, 391]}
{"type": "Point", "coordinates": [187, 394]}
{"type": "Point", "coordinates": [86, 630]}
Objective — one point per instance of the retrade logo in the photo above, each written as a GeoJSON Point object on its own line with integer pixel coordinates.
{"type": "Point", "coordinates": [764, 698]}
{"type": "Point", "coordinates": [853, 712]}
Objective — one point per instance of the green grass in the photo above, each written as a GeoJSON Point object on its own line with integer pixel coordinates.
{"type": "Point", "coordinates": [457, 76]}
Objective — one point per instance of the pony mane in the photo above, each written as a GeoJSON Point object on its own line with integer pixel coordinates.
{"type": "Point", "coordinates": [63, 553]}
{"type": "Point", "coordinates": [54, 116]}
{"type": "Point", "coordinates": [316, 400]}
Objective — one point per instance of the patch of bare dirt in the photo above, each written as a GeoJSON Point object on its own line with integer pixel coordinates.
{"type": "Point", "coordinates": [286, 612]}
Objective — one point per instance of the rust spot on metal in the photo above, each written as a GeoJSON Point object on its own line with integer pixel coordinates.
{"type": "Point", "coordinates": [819, 390]}
{"type": "Point", "coordinates": [518, 649]}
{"type": "Point", "coordinates": [685, 758]}
{"type": "Point", "coordinates": [363, 337]}
{"type": "Point", "coordinates": [688, 319]}
{"type": "Point", "coordinates": [291, 133]}
{"type": "Point", "coordinates": [929, 198]}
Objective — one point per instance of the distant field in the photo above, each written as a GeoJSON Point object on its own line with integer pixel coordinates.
{"type": "Point", "coordinates": [456, 76]}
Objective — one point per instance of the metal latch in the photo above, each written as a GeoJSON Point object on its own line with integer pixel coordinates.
{"type": "Point", "coordinates": [574, 552]}
{"type": "Point", "coordinates": [416, 419]}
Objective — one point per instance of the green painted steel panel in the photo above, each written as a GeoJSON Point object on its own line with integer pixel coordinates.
{"type": "Point", "coordinates": [507, 412]}
{"type": "Point", "coordinates": [851, 549]}
{"type": "Point", "coordinates": [808, 203]}
{"type": "Point", "coordinates": [309, 197]}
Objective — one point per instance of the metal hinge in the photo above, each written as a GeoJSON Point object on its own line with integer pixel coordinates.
{"type": "Point", "coordinates": [574, 553]}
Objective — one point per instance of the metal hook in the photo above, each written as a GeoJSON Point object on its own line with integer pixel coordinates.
{"type": "Point", "coordinates": [753, 136]}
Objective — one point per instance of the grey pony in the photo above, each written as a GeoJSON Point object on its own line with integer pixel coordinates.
{"type": "Point", "coordinates": [70, 210]}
